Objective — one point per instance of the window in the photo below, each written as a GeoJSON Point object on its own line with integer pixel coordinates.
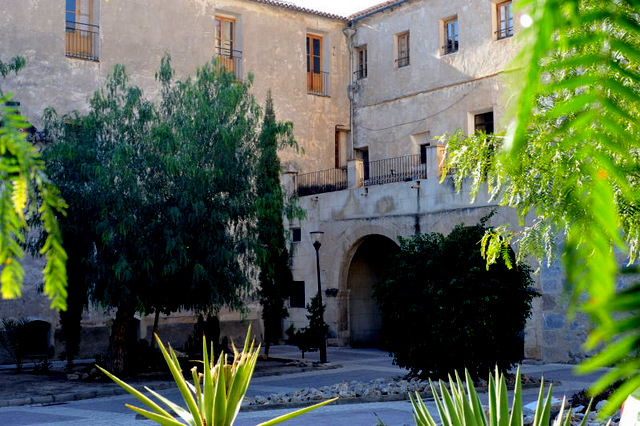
{"type": "Point", "coordinates": [296, 299]}
{"type": "Point", "coordinates": [504, 19]}
{"type": "Point", "coordinates": [226, 52]}
{"type": "Point", "coordinates": [316, 77]}
{"type": "Point", "coordinates": [296, 235]}
{"type": "Point", "coordinates": [82, 33]}
{"type": "Point", "coordinates": [403, 50]}
{"type": "Point", "coordinates": [483, 122]}
{"type": "Point", "coordinates": [361, 56]}
{"type": "Point", "coordinates": [423, 152]}
{"type": "Point", "coordinates": [450, 36]}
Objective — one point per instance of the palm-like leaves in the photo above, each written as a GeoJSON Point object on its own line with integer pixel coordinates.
{"type": "Point", "coordinates": [572, 156]}
{"type": "Point", "coordinates": [459, 405]}
{"type": "Point", "coordinates": [215, 396]}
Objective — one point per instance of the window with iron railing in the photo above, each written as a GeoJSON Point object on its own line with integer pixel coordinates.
{"type": "Point", "coordinates": [82, 32]}
{"type": "Point", "coordinates": [504, 20]}
{"type": "Point", "coordinates": [403, 50]}
{"type": "Point", "coordinates": [227, 54]}
{"type": "Point", "coordinates": [317, 78]}
{"type": "Point", "coordinates": [450, 36]}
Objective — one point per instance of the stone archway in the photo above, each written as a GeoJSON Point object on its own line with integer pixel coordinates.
{"type": "Point", "coordinates": [370, 259]}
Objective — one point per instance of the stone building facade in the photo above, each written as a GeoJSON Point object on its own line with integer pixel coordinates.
{"type": "Point", "coordinates": [367, 95]}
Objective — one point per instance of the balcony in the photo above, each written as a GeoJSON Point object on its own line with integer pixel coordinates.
{"type": "Point", "coordinates": [230, 60]}
{"type": "Point", "coordinates": [318, 83]}
{"type": "Point", "coordinates": [82, 41]}
{"type": "Point", "coordinates": [323, 181]}
{"type": "Point", "coordinates": [379, 172]}
{"type": "Point", "coordinates": [398, 169]}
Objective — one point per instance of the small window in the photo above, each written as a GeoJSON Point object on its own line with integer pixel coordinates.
{"type": "Point", "coordinates": [82, 32]}
{"type": "Point", "coordinates": [450, 36]}
{"type": "Point", "coordinates": [297, 297]}
{"type": "Point", "coordinates": [226, 50]}
{"type": "Point", "coordinates": [504, 20]}
{"type": "Point", "coordinates": [361, 54]}
{"type": "Point", "coordinates": [296, 235]}
{"type": "Point", "coordinates": [483, 122]}
{"type": "Point", "coordinates": [403, 50]}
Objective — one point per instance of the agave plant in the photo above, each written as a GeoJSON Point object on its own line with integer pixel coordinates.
{"type": "Point", "coordinates": [459, 405]}
{"type": "Point", "coordinates": [215, 396]}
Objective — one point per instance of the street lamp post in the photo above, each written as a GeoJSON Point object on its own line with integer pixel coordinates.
{"type": "Point", "coordinates": [322, 344]}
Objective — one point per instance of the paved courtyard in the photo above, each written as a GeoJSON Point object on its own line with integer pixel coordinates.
{"type": "Point", "coordinates": [356, 364]}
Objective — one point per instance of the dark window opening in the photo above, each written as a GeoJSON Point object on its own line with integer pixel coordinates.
{"type": "Point", "coordinates": [423, 153]}
{"type": "Point", "coordinates": [484, 122]}
{"type": "Point", "coordinates": [296, 235]}
{"type": "Point", "coordinates": [297, 298]}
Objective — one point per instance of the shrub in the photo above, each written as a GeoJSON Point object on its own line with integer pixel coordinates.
{"type": "Point", "coordinates": [443, 310]}
{"type": "Point", "coordinates": [14, 338]}
{"type": "Point", "coordinates": [307, 338]}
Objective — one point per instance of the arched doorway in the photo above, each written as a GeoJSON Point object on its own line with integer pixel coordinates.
{"type": "Point", "coordinates": [369, 261]}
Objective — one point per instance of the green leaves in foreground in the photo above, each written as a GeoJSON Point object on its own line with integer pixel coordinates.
{"type": "Point", "coordinates": [215, 396]}
{"type": "Point", "coordinates": [458, 404]}
{"type": "Point", "coordinates": [571, 158]}
{"type": "Point", "coordinates": [27, 194]}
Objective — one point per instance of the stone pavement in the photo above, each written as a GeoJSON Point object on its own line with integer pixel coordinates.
{"type": "Point", "coordinates": [356, 364]}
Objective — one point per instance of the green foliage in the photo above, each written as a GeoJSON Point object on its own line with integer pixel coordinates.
{"type": "Point", "coordinates": [163, 196]}
{"type": "Point", "coordinates": [215, 396]}
{"type": "Point", "coordinates": [13, 339]}
{"type": "Point", "coordinates": [307, 339]}
{"type": "Point", "coordinates": [571, 158]}
{"type": "Point", "coordinates": [459, 405]}
{"type": "Point", "coordinates": [26, 194]}
{"type": "Point", "coordinates": [275, 276]}
{"type": "Point", "coordinates": [14, 65]}
{"type": "Point", "coordinates": [466, 315]}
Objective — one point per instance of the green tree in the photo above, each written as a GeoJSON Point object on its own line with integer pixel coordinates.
{"type": "Point", "coordinates": [570, 158]}
{"type": "Point", "coordinates": [165, 195]}
{"type": "Point", "coordinates": [273, 258]}
{"type": "Point", "coordinates": [26, 195]}
{"type": "Point", "coordinates": [469, 316]}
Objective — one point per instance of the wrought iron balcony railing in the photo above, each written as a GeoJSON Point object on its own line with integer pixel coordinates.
{"type": "Point", "coordinates": [402, 62]}
{"type": "Point", "coordinates": [360, 73]}
{"type": "Point", "coordinates": [398, 169]}
{"type": "Point", "coordinates": [450, 47]}
{"type": "Point", "coordinates": [230, 60]}
{"type": "Point", "coordinates": [318, 83]}
{"type": "Point", "coordinates": [504, 32]}
{"type": "Point", "coordinates": [323, 181]}
{"type": "Point", "coordinates": [82, 41]}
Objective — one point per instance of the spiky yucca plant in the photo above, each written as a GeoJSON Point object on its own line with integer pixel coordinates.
{"type": "Point", "coordinates": [215, 396]}
{"type": "Point", "coordinates": [459, 405]}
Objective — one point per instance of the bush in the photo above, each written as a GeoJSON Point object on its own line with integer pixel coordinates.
{"type": "Point", "coordinates": [307, 338]}
{"type": "Point", "coordinates": [14, 339]}
{"type": "Point", "coordinates": [442, 310]}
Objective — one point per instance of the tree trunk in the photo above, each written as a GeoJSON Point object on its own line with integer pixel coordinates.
{"type": "Point", "coordinates": [156, 319]}
{"type": "Point", "coordinates": [120, 341]}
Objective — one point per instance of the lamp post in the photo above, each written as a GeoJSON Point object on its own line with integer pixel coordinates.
{"type": "Point", "coordinates": [322, 345]}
